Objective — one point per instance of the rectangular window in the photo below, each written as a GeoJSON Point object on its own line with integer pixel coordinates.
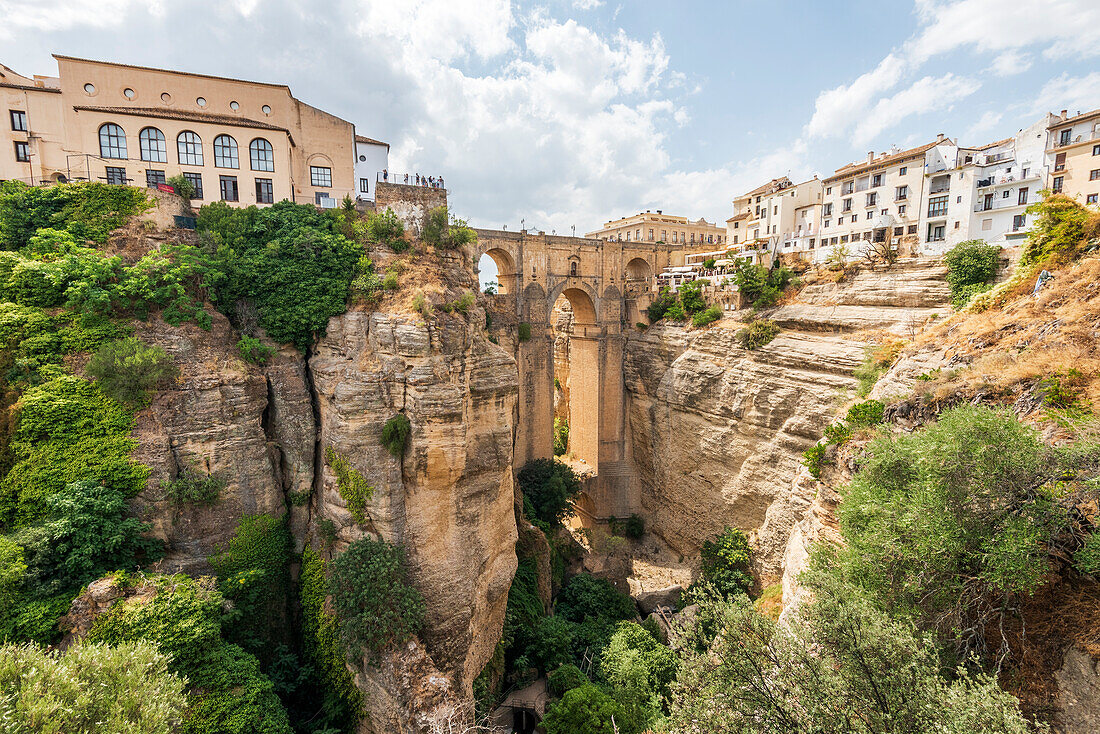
{"type": "Point", "coordinates": [839, 221]}
{"type": "Point", "coordinates": [828, 190]}
{"type": "Point", "coordinates": [901, 193]}
{"type": "Point", "coordinates": [775, 210]}
{"type": "Point", "coordinates": [228, 186]}
{"type": "Point", "coordinates": [1090, 199]}
{"type": "Point", "coordinates": [1056, 186]}
{"type": "Point", "coordinates": [1094, 174]}
{"type": "Point", "coordinates": [902, 171]}
{"type": "Point", "coordinates": [901, 210]}
{"type": "Point", "coordinates": [828, 211]}
{"type": "Point", "coordinates": [956, 225]}
{"type": "Point", "coordinates": [265, 192]}
{"type": "Point", "coordinates": [869, 215]}
{"type": "Point", "coordinates": [812, 242]}
{"type": "Point", "coordinates": [847, 187]}
{"type": "Point", "coordinates": [987, 225]}
{"type": "Point", "coordinates": [152, 178]}
{"type": "Point", "coordinates": [1025, 173]}
{"type": "Point", "coordinates": [843, 239]}
{"type": "Point", "coordinates": [1096, 150]}
{"type": "Point", "coordinates": [195, 179]}
{"type": "Point", "coordinates": [847, 205]}
{"type": "Point", "coordinates": [1022, 197]}
{"type": "Point", "coordinates": [734, 238]}
{"type": "Point", "coordinates": [872, 198]}
{"type": "Point", "coordinates": [876, 180]}
{"type": "Point", "coordinates": [827, 223]}
{"type": "Point", "coordinates": [899, 231]}
{"type": "Point", "coordinates": [937, 206]}
{"type": "Point", "coordinates": [22, 152]}
{"type": "Point", "coordinates": [651, 235]}
{"type": "Point", "coordinates": [363, 186]}
{"type": "Point", "coordinates": [1005, 194]}
{"type": "Point", "coordinates": [1060, 162]}
{"type": "Point", "coordinates": [116, 175]}
{"type": "Point", "coordinates": [912, 229]}
{"type": "Point", "coordinates": [1063, 137]}
{"type": "Point", "coordinates": [320, 176]}
{"type": "Point", "coordinates": [1019, 222]}
{"type": "Point", "coordinates": [936, 232]}
{"type": "Point", "coordinates": [18, 120]}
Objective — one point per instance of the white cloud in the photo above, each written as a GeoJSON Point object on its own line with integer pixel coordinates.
{"type": "Point", "coordinates": [928, 94]}
{"type": "Point", "coordinates": [55, 15]}
{"type": "Point", "coordinates": [1067, 92]}
{"type": "Point", "coordinates": [986, 123]}
{"type": "Point", "coordinates": [838, 110]}
{"type": "Point", "coordinates": [587, 4]}
{"type": "Point", "coordinates": [1010, 63]}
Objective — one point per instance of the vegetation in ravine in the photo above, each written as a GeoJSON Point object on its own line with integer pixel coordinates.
{"type": "Point", "coordinates": [351, 485]}
{"type": "Point", "coordinates": [758, 333]}
{"type": "Point", "coordinates": [971, 266]}
{"type": "Point", "coordinates": [395, 434]}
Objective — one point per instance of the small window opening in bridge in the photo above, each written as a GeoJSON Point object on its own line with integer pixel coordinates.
{"type": "Point", "coordinates": [573, 268]}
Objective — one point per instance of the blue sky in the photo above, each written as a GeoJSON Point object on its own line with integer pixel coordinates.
{"type": "Point", "coordinates": [572, 112]}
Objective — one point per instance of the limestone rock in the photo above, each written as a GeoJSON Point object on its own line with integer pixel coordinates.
{"type": "Point", "coordinates": [1078, 696]}
{"type": "Point", "coordinates": [209, 422]}
{"type": "Point", "coordinates": [449, 500]}
{"type": "Point", "coordinates": [648, 601]}
{"type": "Point", "coordinates": [404, 692]}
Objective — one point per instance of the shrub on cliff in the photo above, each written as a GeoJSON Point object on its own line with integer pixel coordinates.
{"type": "Point", "coordinates": [291, 260]}
{"type": "Point", "coordinates": [707, 316]}
{"type": "Point", "coordinates": [971, 265]}
{"type": "Point", "coordinates": [551, 486]}
{"type": "Point", "coordinates": [445, 231]}
{"type": "Point", "coordinates": [758, 333]}
{"type": "Point", "coordinates": [395, 435]}
{"type": "Point", "coordinates": [660, 305]}
{"type": "Point", "coordinates": [691, 297]}
{"type": "Point", "coordinates": [1060, 226]}
{"type": "Point", "coordinates": [253, 350]}
{"type": "Point", "coordinates": [384, 228]}
{"type": "Point", "coordinates": [89, 688]}
{"type": "Point", "coordinates": [227, 692]}
{"type": "Point", "coordinates": [376, 604]}
{"type": "Point", "coordinates": [87, 211]}
{"type": "Point", "coordinates": [588, 597]}
{"type": "Point", "coordinates": [129, 369]}
{"type": "Point", "coordinates": [867, 413]}
{"type": "Point", "coordinates": [759, 285]}
{"type": "Point", "coordinates": [585, 709]}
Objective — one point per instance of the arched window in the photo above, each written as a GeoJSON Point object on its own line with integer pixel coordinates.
{"type": "Point", "coordinates": [225, 152]}
{"type": "Point", "coordinates": [189, 147]}
{"type": "Point", "coordinates": [261, 155]}
{"type": "Point", "coordinates": [153, 147]}
{"type": "Point", "coordinates": [112, 141]}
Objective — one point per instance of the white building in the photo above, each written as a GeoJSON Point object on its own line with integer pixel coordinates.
{"type": "Point", "coordinates": [991, 187]}
{"type": "Point", "coordinates": [371, 158]}
{"type": "Point", "coordinates": [773, 218]}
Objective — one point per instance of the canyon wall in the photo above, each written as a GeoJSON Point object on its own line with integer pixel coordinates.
{"type": "Point", "coordinates": [718, 431]}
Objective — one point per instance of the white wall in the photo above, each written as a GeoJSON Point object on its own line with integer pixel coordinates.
{"type": "Point", "coordinates": [370, 159]}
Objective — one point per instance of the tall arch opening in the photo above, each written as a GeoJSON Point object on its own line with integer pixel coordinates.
{"type": "Point", "coordinates": [497, 271]}
{"type": "Point", "coordinates": [576, 380]}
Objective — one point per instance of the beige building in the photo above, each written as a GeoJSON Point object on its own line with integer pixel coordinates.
{"type": "Point", "coordinates": [648, 226]}
{"type": "Point", "coordinates": [1073, 155]}
{"type": "Point", "coordinates": [239, 141]}
{"type": "Point", "coordinates": [779, 216]}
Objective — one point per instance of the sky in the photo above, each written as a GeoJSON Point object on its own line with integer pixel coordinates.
{"type": "Point", "coordinates": [569, 113]}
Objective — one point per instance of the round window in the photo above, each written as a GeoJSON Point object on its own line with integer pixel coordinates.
{"type": "Point", "coordinates": [201, 101]}
{"type": "Point", "coordinates": [128, 93]}
{"type": "Point", "coordinates": [165, 97]}
{"type": "Point", "coordinates": [362, 158]}
{"type": "Point", "coordinates": [234, 106]}
{"type": "Point", "coordinates": [89, 88]}
{"type": "Point", "coordinates": [266, 109]}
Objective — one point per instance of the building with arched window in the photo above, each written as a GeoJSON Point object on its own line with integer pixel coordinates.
{"type": "Point", "coordinates": [135, 125]}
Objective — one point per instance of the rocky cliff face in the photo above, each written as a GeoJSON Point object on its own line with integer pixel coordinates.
{"type": "Point", "coordinates": [264, 431]}
{"type": "Point", "coordinates": [718, 431]}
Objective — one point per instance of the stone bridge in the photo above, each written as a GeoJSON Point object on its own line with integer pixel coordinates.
{"type": "Point", "coordinates": [607, 284]}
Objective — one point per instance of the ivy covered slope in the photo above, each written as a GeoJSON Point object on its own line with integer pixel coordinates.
{"type": "Point", "coordinates": [966, 486]}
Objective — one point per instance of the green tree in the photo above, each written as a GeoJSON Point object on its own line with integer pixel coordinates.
{"type": "Point", "coordinates": [585, 709]}
{"type": "Point", "coordinates": [377, 605]}
{"type": "Point", "coordinates": [86, 535]}
{"type": "Point", "coordinates": [1058, 228]}
{"type": "Point", "coordinates": [840, 665]}
{"type": "Point", "coordinates": [129, 369]}
{"type": "Point", "coordinates": [183, 187]}
{"type": "Point", "coordinates": [443, 230]}
{"type": "Point", "coordinates": [89, 689]}
{"type": "Point", "coordinates": [971, 265]}
{"type": "Point", "coordinates": [725, 562]}
{"type": "Point", "coordinates": [551, 487]}
{"type": "Point", "coordinates": [640, 670]}
{"type": "Point", "coordinates": [691, 297]}
{"type": "Point", "coordinates": [586, 596]}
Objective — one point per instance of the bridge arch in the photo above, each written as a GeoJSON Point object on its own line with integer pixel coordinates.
{"type": "Point", "coordinates": [506, 268]}
{"type": "Point", "coordinates": [639, 269]}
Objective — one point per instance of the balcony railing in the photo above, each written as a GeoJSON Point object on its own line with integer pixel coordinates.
{"type": "Point", "coordinates": [940, 188]}
{"type": "Point", "coordinates": [1082, 138]}
{"type": "Point", "coordinates": [999, 204]}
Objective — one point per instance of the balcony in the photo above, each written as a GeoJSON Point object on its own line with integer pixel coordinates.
{"type": "Point", "coordinates": [1074, 140]}
{"type": "Point", "coordinates": [999, 205]}
{"type": "Point", "coordinates": [940, 188]}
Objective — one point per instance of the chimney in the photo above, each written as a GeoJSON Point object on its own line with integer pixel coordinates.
{"type": "Point", "coordinates": [939, 137]}
{"type": "Point", "coordinates": [1063, 115]}
{"type": "Point", "coordinates": [660, 212]}
{"type": "Point", "coordinates": [870, 156]}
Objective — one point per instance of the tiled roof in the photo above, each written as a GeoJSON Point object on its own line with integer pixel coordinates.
{"type": "Point", "coordinates": [764, 187]}
{"type": "Point", "coordinates": [369, 141]}
{"type": "Point", "coordinates": [737, 217]}
{"type": "Point", "coordinates": [1059, 122]}
{"type": "Point", "coordinates": [169, 114]}
{"type": "Point", "coordinates": [852, 168]}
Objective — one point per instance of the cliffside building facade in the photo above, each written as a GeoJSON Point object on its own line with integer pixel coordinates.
{"type": "Point", "coordinates": [648, 226]}
{"type": "Point", "coordinates": [238, 141]}
{"type": "Point", "coordinates": [1073, 155]}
